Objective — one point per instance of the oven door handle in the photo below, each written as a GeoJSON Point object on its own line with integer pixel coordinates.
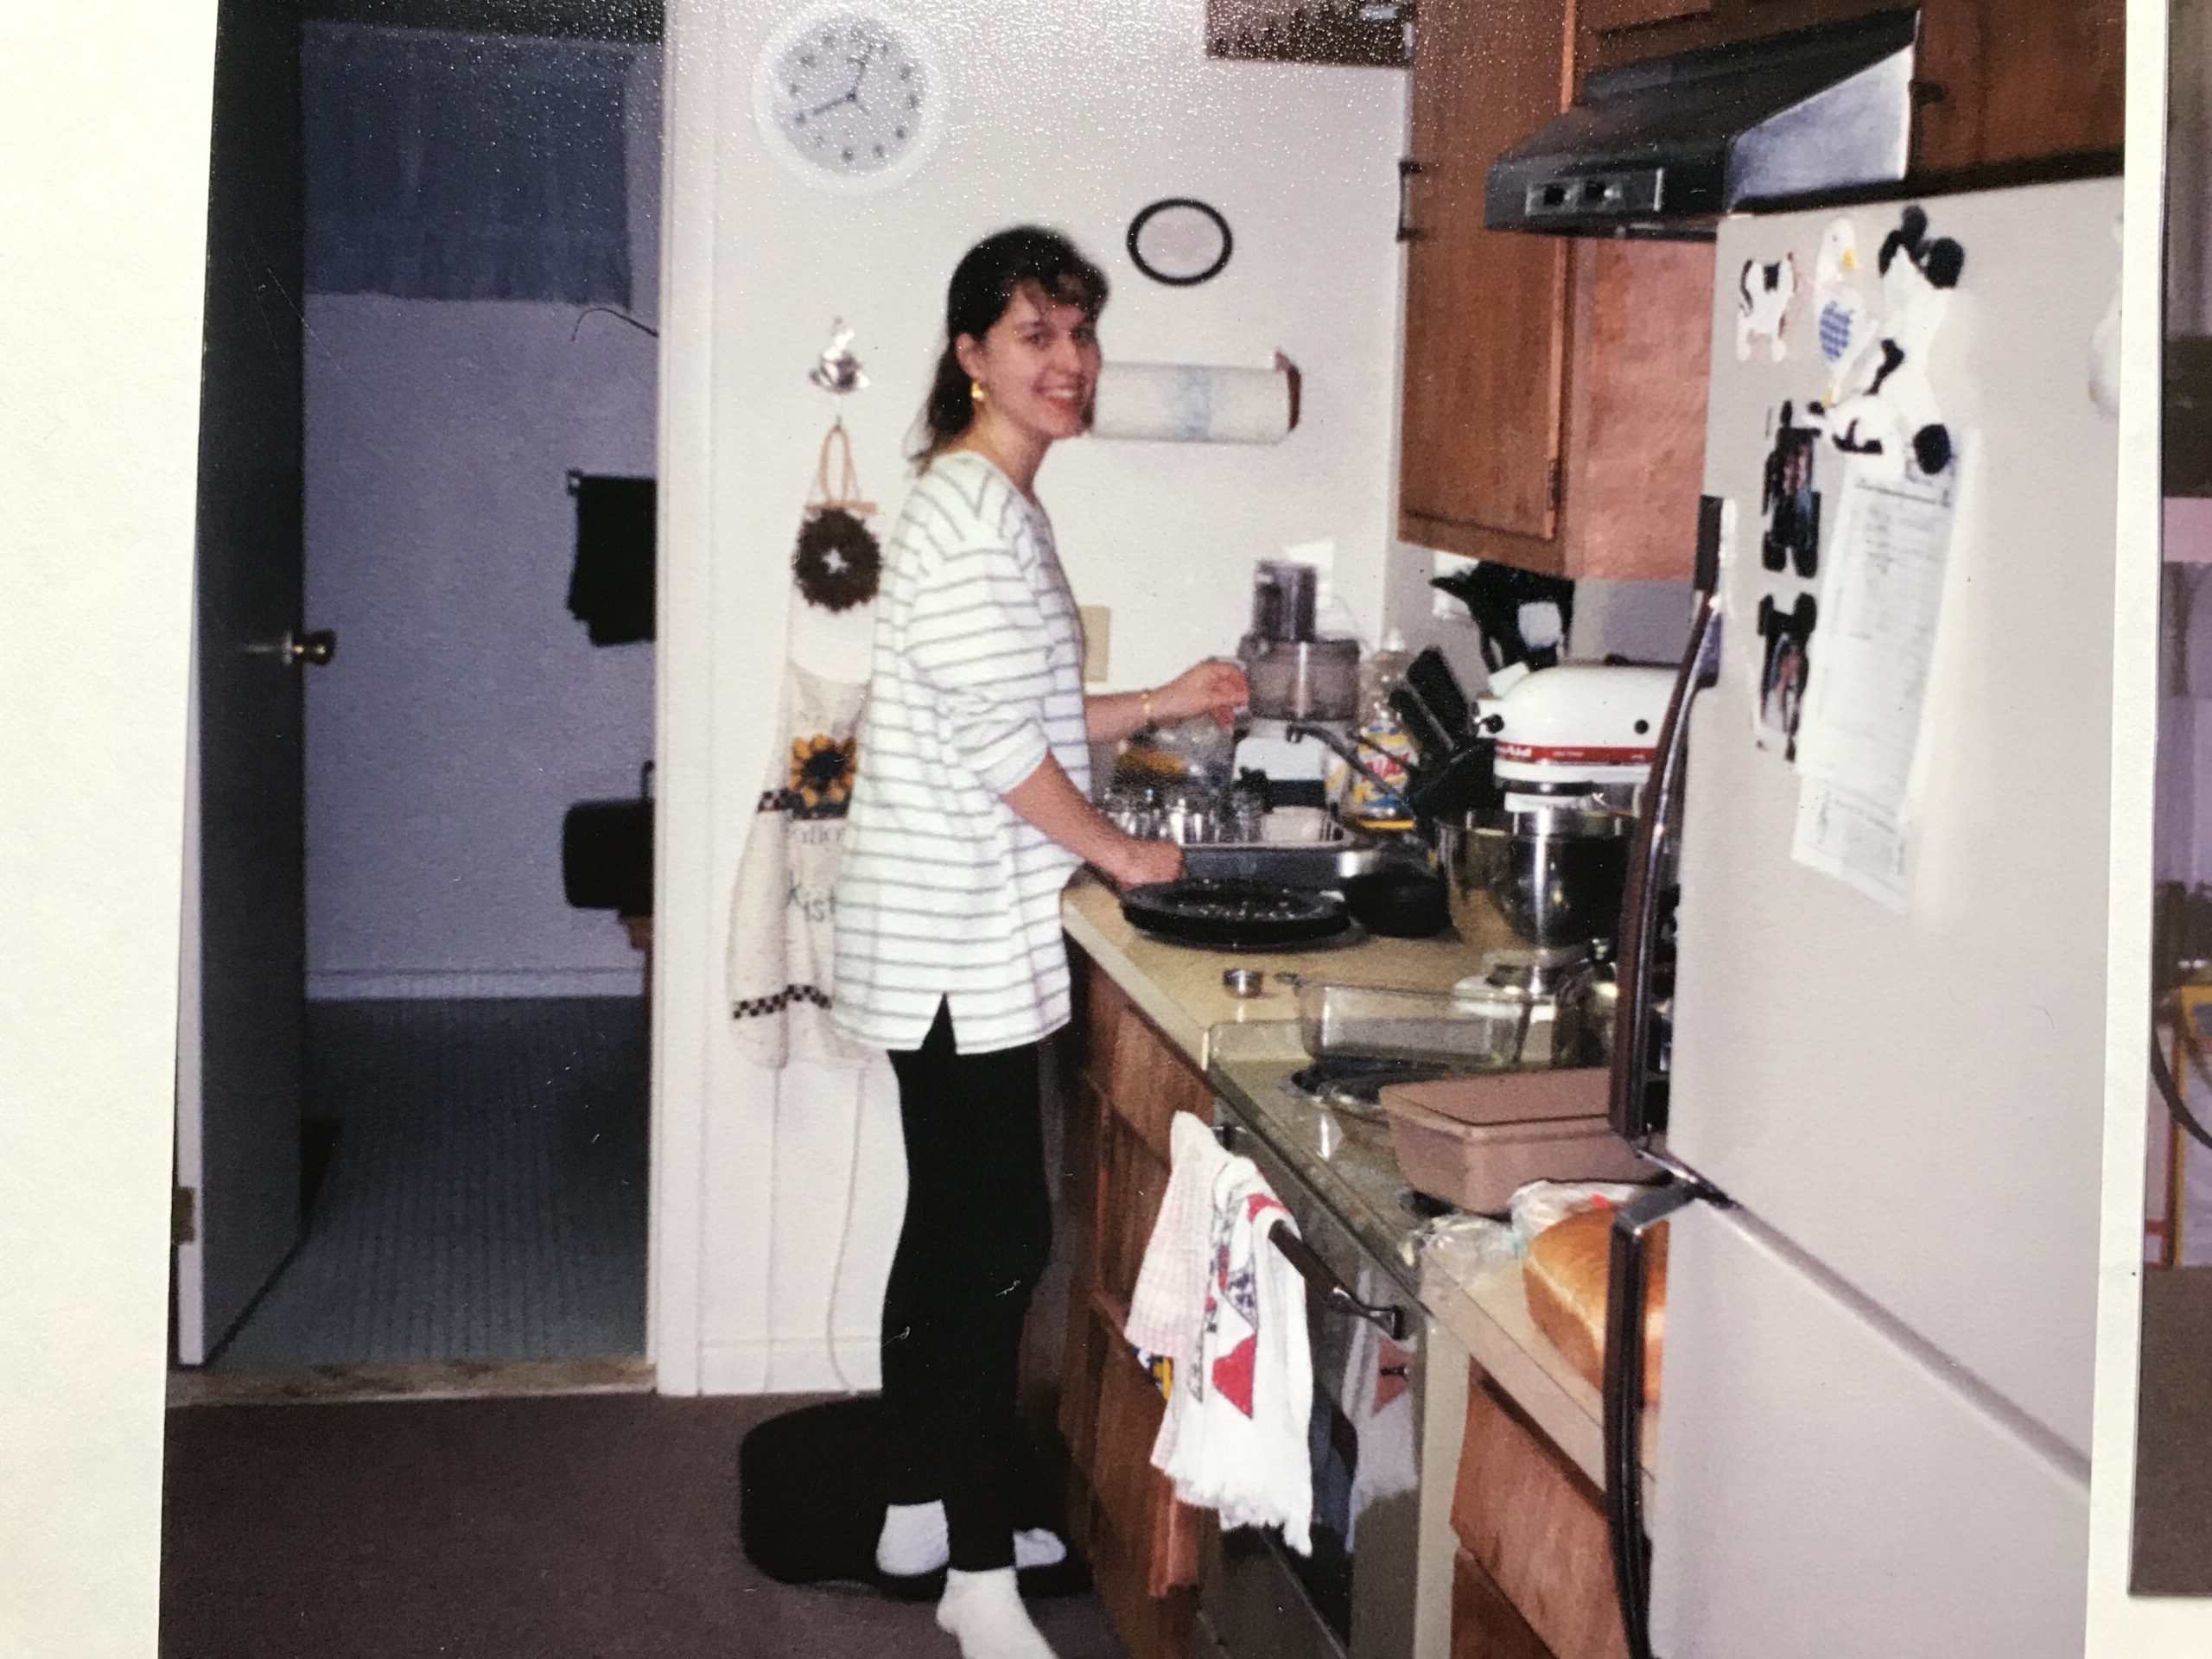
{"type": "Point", "coordinates": [1388, 1316]}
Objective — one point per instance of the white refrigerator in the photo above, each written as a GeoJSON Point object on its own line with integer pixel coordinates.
{"type": "Point", "coordinates": [1890, 777]}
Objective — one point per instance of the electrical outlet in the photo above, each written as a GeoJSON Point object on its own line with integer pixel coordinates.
{"type": "Point", "coordinates": [1097, 622]}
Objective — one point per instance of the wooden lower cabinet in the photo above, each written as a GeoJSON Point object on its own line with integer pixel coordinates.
{"type": "Point", "coordinates": [1534, 1575]}
{"type": "Point", "coordinates": [1534, 1526]}
{"type": "Point", "coordinates": [1143, 1544]}
{"type": "Point", "coordinates": [1149, 1626]}
{"type": "Point", "coordinates": [1484, 1623]}
{"type": "Point", "coordinates": [1123, 1090]}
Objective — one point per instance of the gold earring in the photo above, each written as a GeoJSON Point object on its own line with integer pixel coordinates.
{"type": "Point", "coordinates": [975, 392]}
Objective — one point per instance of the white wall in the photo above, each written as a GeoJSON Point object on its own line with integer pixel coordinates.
{"type": "Point", "coordinates": [1645, 621]}
{"type": "Point", "coordinates": [1076, 117]}
{"type": "Point", "coordinates": [466, 709]}
{"type": "Point", "coordinates": [104, 120]}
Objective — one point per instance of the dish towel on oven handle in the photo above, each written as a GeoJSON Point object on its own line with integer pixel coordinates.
{"type": "Point", "coordinates": [1229, 1311]}
{"type": "Point", "coordinates": [780, 944]}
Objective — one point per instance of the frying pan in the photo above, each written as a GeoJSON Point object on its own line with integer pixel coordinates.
{"type": "Point", "coordinates": [1223, 915]}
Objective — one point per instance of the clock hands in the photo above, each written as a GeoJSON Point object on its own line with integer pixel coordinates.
{"type": "Point", "coordinates": [852, 94]}
{"type": "Point", "coordinates": [867, 54]}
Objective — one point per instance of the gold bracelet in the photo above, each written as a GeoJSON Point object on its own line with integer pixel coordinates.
{"type": "Point", "coordinates": [1144, 699]}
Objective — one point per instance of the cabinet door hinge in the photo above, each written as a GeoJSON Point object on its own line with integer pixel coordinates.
{"type": "Point", "coordinates": [184, 1214]}
{"type": "Point", "coordinates": [1407, 168]}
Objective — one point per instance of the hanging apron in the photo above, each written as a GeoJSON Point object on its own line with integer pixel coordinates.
{"type": "Point", "coordinates": [780, 935]}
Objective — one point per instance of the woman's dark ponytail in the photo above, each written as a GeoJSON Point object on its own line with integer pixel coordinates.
{"type": "Point", "coordinates": [983, 284]}
{"type": "Point", "coordinates": [950, 408]}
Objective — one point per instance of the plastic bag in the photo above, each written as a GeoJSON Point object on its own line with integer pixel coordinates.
{"type": "Point", "coordinates": [1543, 1203]}
{"type": "Point", "coordinates": [1467, 1247]}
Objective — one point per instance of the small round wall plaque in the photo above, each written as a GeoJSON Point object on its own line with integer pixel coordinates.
{"type": "Point", "coordinates": [1180, 241]}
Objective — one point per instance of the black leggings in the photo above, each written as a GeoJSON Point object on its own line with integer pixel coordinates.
{"type": "Point", "coordinates": [978, 1228]}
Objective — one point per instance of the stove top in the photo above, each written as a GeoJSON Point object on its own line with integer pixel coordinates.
{"type": "Point", "coordinates": [1353, 1085]}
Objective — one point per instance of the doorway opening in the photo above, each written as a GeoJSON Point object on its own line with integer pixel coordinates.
{"type": "Point", "coordinates": [413, 1077]}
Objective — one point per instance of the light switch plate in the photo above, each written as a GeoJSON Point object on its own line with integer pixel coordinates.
{"type": "Point", "coordinates": [1097, 622]}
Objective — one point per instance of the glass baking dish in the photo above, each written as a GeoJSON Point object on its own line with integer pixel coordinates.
{"type": "Point", "coordinates": [1391, 1023]}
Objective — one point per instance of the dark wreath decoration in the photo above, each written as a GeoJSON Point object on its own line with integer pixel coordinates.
{"type": "Point", "coordinates": [838, 561]}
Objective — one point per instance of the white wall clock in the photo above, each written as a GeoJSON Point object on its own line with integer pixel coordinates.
{"type": "Point", "coordinates": [849, 95]}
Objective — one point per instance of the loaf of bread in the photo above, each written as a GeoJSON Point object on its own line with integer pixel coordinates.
{"type": "Point", "coordinates": [1564, 1272]}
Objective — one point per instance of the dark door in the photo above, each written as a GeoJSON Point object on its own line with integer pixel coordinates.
{"type": "Point", "coordinates": [239, 1087]}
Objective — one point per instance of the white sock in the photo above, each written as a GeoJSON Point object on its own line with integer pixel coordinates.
{"type": "Point", "coordinates": [1038, 1547]}
{"type": "Point", "coordinates": [914, 1541]}
{"type": "Point", "coordinates": [984, 1612]}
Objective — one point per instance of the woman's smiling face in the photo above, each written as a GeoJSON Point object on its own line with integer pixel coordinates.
{"type": "Point", "coordinates": [1038, 366]}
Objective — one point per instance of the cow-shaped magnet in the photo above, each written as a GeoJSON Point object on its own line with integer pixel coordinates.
{"type": "Point", "coordinates": [1763, 290]}
{"type": "Point", "coordinates": [1888, 412]}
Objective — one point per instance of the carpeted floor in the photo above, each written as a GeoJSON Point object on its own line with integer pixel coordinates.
{"type": "Point", "coordinates": [581, 1527]}
{"type": "Point", "coordinates": [2173, 1436]}
{"type": "Point", "coordinates": [484, 1192]}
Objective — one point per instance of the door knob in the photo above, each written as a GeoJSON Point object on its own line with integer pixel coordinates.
{"type": "Point", "coordinates": [296, 649]}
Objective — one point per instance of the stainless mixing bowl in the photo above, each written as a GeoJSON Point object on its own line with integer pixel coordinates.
{"type": "Point", "coordinates": [1551, 878]}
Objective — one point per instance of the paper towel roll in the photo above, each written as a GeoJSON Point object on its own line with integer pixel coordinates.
{"type": "Point", "coordinates": [1189, 403]}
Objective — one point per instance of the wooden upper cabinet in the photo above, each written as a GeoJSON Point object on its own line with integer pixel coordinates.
{"type": "Point", "coordinates": [1554, 413]}
{"type": "Point", "coordinates": [1555, 388]}
{"type": "Point", "coordinates": [1298, 31]}
{"type": "Point", "coordinates": [1486, 311]}
{"type": "Point", "coordinates": [2018, 80]}
{"type": "Point", "coordinates": [1658, 28]}
{"type": "Point", "coordinates": [1635, 459]}
{"type": "Point", "coordinates": [2000, 81]}
{"type": "Point", "coordinates": [1628, 14]}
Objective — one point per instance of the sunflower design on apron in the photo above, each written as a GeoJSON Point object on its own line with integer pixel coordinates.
{"type": "Point", "coordinates": [820, 783]}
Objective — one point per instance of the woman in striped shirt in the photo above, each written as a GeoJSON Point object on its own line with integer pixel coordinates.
{"type": "Point", "coordinates": [970, 810]}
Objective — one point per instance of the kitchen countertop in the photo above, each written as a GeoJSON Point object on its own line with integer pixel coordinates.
{"type": "Point", "coordinates": [1248, 1047]}
{"type": "Point", "coordinates": [1179, 988]}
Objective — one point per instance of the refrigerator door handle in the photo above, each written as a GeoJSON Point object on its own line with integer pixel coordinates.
{"type": "Point", "coordinates": [1630, 1082]}
{"type": "Point", "coordinates": [1624, 1399]}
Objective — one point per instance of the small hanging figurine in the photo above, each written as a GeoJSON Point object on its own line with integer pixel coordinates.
{"type": "Point", "coordinates": [838, 560]}
{"type": "Point", "coordinates": [839, 371]}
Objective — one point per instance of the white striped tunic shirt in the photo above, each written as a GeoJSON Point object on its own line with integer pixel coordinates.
{"type": "Point", "coordinates": [944, 891]}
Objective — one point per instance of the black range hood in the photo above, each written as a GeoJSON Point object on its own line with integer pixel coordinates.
{"type": "Point", "coordinates": [1666, 147]}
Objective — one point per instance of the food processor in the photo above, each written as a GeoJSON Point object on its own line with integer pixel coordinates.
{"type": "Point", "coordinates": [1305, 687]}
